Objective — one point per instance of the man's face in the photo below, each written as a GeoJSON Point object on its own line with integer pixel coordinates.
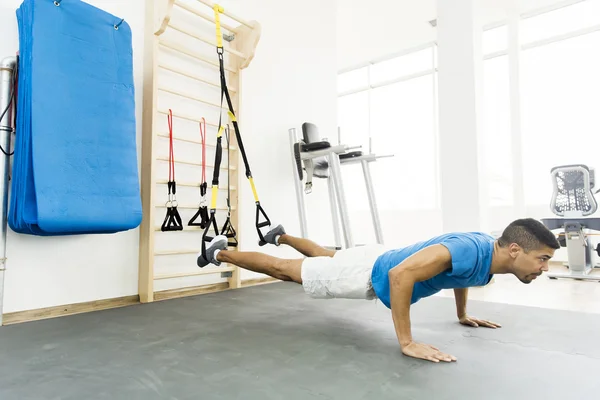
{"type": "Point", "coordinates": [530, 265]}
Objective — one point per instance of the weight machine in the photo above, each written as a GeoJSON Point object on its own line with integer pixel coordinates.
{"type": "Point", "coordinates": [315, 157]}
{"type": "Point", "coordinates": [573, 202]}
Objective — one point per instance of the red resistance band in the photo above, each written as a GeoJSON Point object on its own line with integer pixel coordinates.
{"type": "Point", "coordinates": [172, 220]}
{"type": "Point", "coordinates": [202, 212]}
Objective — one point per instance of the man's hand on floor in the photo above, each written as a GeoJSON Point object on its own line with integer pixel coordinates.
{"type": "Point", "coordinates": [475, 322]}
{"type": "Point", "coordinates": [426, 352]}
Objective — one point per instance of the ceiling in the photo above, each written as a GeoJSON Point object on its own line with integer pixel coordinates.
{"type": "Point", "coordinates": [367, 29]}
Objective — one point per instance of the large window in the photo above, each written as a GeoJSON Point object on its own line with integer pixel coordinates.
{"type": "Point", "coordinates": [496, 133]}
{"type": "Point", "coordinates": [495, 40]}
{"type": "Point", "coordinates": [353, 119]}
{"type": "Point", "coordinates": [388, 107]}
{"type": "Point", "coordinates": [563, 21]}
{"type": "Point", "coordinates": [559, 96]}
{"type": "Point", "coordinates": [561, 110]}
{"type": "Point", "coordinates": [402, 122]}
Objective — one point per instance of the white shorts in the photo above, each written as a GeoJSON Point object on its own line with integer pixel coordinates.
{"type": "Point", "coordinates": [346, 275]}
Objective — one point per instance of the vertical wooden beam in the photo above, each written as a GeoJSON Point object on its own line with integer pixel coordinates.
{"type": "Point", "coordinates": [248, 41]}
{"type": "Point", "coordinates": [146, 243]}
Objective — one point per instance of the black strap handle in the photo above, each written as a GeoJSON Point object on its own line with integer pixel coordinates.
{"type": "Point", "coordinates": [260, 211]}
{"type": "Point", "coordinates": [172, 220]}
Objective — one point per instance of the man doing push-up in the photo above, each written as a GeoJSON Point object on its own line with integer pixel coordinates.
{"type": "Point", "coordinates": [401, 277]}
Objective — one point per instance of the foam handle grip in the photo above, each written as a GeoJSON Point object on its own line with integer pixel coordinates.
{"type": "Point", "coordinates": [218, 158]}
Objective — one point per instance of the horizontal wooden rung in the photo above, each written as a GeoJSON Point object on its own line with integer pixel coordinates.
{"type": "Point", "coordinates": [182, 252]}
{"type": "Point", "coordinates": [223, 144]}
{"type": "Point", "coordinates": [196, 164]}
{"type": "Point", "coordinates": [173, 46]}
{"type": "Point", "coordinates": [193, 76]}
{"type": "Point", "coordinates": [187, 228]}
{"type": "Point", "coordinates": [194, 185]}
{"type": "Point", "coordinates": [191, 97]}
{"type": "Point", "coordinates": [203, 15]}
{"type": "Point", "coordinates": [228, 13]}
{"type": "Point", "coordinates": [177, 114]}
{"type": "Point", "coordinates": [208, 271]}
{"type": "Point", "coordinates": [205, 40]}
{"type": "Point", "coordinates": [177, 252]}
{"type": "Point", "coordinates": [195, 207]}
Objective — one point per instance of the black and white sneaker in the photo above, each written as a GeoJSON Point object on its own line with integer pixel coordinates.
{"type": "Point", "coordinates": [272, 237]}
{"type": "Point", "coordinates": [218, 243]}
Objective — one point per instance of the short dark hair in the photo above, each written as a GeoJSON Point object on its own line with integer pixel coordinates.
{"type": "Point", "coordinates": [528, 233]}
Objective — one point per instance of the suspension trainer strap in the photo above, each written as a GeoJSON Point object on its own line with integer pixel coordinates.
{"type": "Point", "coordinates": [202, 212]}
{"type": "Point", "coordinates": [228, 230]}
{"type": "Point", "coordinates": [212, 222]}
{"type": "Point", "coordinates": [172, 221]}
{"type": "Point", "coordinates": [224, 91]}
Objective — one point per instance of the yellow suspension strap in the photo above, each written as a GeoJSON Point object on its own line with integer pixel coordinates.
{"type": "Point", "coordinates": [206, 238]}
{"type": "Point", "coordinates": [224, 91]}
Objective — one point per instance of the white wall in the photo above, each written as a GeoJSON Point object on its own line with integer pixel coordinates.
{"type": "Point", "coordinates": [292, 79]}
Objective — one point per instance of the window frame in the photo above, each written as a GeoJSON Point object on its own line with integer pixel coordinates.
{"type": "Point", "coordinates": [370, 86]}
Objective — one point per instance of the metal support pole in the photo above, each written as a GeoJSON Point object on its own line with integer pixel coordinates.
{"type": "Point", "coordinates": [334, 161]}
{"type": "Point", "coordinates": [298, 186]}
{"type": "Point", "coordinates": [334, 214]}
{"type": "Point", "coordinates": [372, 202]}
{"type": "Point", "coordinates": [7, 70]}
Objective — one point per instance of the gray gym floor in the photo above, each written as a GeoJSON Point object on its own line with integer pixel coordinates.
{"type": "Point", "coordinates": [272, 342]}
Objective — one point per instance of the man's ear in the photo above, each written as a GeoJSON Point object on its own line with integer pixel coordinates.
{"type": "Point", "coordinates": [514, 250]}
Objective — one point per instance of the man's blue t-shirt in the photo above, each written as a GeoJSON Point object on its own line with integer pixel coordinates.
{"type": "Point", "coordinates": [471, 261]}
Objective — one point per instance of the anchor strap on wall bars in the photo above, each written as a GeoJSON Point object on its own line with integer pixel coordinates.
{"type": "Point", "coordinates": [225, 92]}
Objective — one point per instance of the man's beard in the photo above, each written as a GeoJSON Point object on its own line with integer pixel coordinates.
{"type": "Point", "coordinates": [529, 278]}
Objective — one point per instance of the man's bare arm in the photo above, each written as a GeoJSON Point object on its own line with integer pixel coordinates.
{"type": "Point", "coordinates": [460, 296]}
{"type": "Point", "coordinates": [421, 266]}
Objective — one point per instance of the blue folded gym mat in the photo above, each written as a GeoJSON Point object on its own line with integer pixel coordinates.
{"type": "Point", "coordinates": [75, 159]}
